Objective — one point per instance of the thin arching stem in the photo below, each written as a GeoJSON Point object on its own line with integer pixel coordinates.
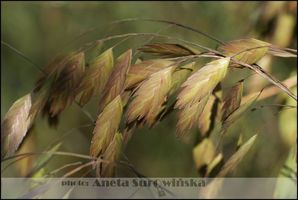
{"type": "Point", "coordinates": [64, 167]}
{"type": "Point", "coordinates": [57, 153]}
{"type": "Point", "coordinates": [13, 162]}
{"type": "Point", "coordinates": [173, 23]}
{"type": "Point", "coordinates": [152, 37]}
{"type": "Point", "coordinates": [78, 169]}
{"type": "Point", "coordinates": [22, 55]}
{"type": "Point", "coordinates": [149, 20]}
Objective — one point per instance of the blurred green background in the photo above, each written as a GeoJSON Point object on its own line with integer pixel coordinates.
{"type": "Point", "coordinates": [42, 30]}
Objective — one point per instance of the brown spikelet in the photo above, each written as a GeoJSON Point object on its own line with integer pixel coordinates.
{"type": "Point", "coordinates": [139, 72]}
{"type": "Point", "coordinates": [247, 51]}
{"type": "Point", "coordinates": [111, 156]}
{"type": "Point", "coordinates": [189, 115]}
{"type": "Point", "coordinates": [63, 88]}
{"type": "Point", "coordinates": [15, 126]}
{"type": "Point", "coordinates": [56, 88]}
{"type": "Point", "coordinates": [115, 84]}
{"type": "Point", "coordinates": [106, 126]}
{"type": "Point", "coordinates": [232, 100]}
{"type": "Point", "coordinates": [96, 76]}
{"type": "Point", "coordinates": [167, 50]}
{"type": "Point", "coordinates": [149, 97]}
{"type": "Point", "coordinates": [234, 116]}
{"type": "Point", "coordinates": [202, 82]}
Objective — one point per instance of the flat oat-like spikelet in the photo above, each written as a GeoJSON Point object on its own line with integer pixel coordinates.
{"type": "Point", "coordinates": [63, 88]}
{"type": "Point", "coordinates": [249, 51]}
{"type": "Point", "coordinates": [115, 84]}
{"type": "Point", "coordinates": [189, 115]}
{"type": "Point", "coordinates": [111, 156]}
{"type": "Point", "coordinates": [149, 97]}
{"type": "Point", "coordinates": [57, 87]}
{"type": "Point", "coordinates": [237, 113]}
{"type": "Point", "coordinates": [167, 50]}
{"type": "Point", "coordinates": [139, 72]}
{"type": "Point", "coordinates": [96, 76]}
{"type": "Point", "coordinates": [15, 126]}
{"type": "Point", "coordinates": [232, 101]}
{"type": "Point", "coordinates": [106, 126]}
{"type": "Point", "coordinates": [202, 82]}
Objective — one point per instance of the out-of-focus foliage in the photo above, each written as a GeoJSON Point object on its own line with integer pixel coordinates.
{"type": "Point", "coordinates": [289, 136]}
{"type": "Point", "coordinates": [288, 123]}
{"type": "Point", "coordinates": [215, 185]}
